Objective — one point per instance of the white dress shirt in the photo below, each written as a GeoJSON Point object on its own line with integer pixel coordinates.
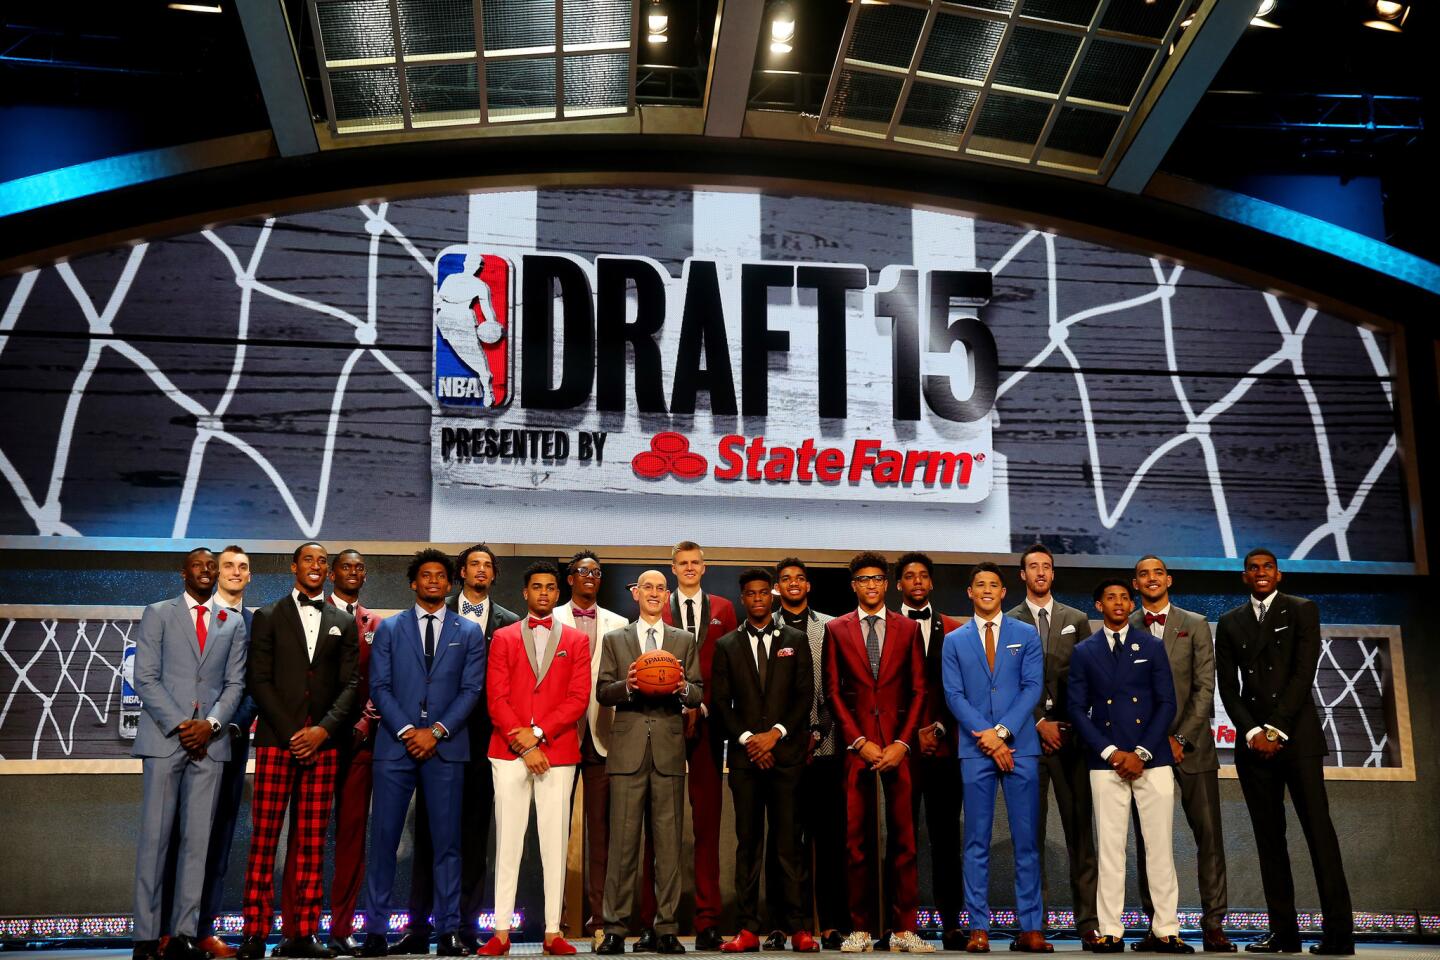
{"type": "Point", "coordinates": [476, 617]}
{"type": "Point", "coordinates": [980, 622]}
{"type": "Point", "coordinates": [420, 614]}
{"type": "Point", "coordinates": [309, 619]}
{"type": "Point", "coordinates": [1157, 629]}
{"type": "Point", "coordinates": [1261, 609]}
{"type": "Point", "coordinates": [755, 642]}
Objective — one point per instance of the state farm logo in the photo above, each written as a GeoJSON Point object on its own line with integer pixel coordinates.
{"type": "Point", "coordinates": [669, 453]}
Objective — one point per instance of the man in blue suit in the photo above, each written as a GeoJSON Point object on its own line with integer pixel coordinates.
{"type": "Point", "coordinates": [1122, 702]}
{"type": "Point", "coordinates": [993, 670]}
{"type": "Point", "coordinates": [427, 673]}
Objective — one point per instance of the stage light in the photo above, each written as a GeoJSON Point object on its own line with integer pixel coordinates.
{"type": "Point", "coordinates": [1267, 7]}
{"type": "Point", "coordinates": [782, 28]}
{"type": "Point", "coordinates": [195, 7]}
{"type": "Point", "coordinates": [1390, 16]}
{"type": "Point", "coordinates": [657, 23]}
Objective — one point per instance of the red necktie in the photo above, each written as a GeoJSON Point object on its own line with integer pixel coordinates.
{"type": "Point", "coordinates": [200, 630]}
{"type": "Point", "coordinates": [1154, 618]}
{"type": "Point", "coordinates": [537, 622]}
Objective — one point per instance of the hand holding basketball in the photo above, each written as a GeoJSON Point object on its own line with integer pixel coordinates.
{"type": "Point", "coordinates": [658, 674]}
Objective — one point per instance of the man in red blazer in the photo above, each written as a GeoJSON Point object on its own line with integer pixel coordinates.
{"type": "Point", "coordinates": [538, 688]}
{"type": "Point", "coordinates": [875, 686]}
{"type": "Point", "coordinates": [707, 618]}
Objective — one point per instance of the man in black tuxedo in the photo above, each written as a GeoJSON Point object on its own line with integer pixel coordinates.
{"type": "Point", "coordinates": [479, 569]}
{"type": "Point", "coordinates": [761, 689]}
{"type": "Point", "coordinates": [1266, 652]}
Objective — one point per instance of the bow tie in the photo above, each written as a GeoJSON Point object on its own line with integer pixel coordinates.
{"type": "Point", "coordinates": [304, 601]}
{"type": "Point", "coordinates": [537, 622]}
{"type": "Point", "coordinates": [918, 614]}
{"type": "Point", "coordinates": [1154, 618]}
{"type": "Point", "coordinates": [466, 607]}
{"type": "Point", "coordinates": [577, 612]}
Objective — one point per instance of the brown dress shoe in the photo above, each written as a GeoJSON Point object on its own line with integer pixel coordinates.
{"type": "Point", "coordinates": [1032, 941]}
{"type": "Point", "coordinates": [216, 948]}
{"type": "Point", "coordinates": [979, 942]}
{"type": "Point", "coordinates": [1217, 942]}
{"type": "Point", "coordinates": [1088, 939]}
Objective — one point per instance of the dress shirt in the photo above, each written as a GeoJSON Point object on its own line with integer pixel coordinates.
{"type": "Point", "coordinates": [756, 639]}
{"type": "Point", "coordinates": [800, 621]}
{"type": "Point", "coordinates": [1140, 752]}
{"type": "Point", "coordinates": [924, 625]}
{"type": "Point", "coordinates": [1257, 607]}
{"type": "Point", "coordinates": [476, 618]}
{"type": "Point", "coordinates": [211, 606]}
{"type": "Point", "coordinates": [309, 619]}
{"type": "Point", "coordinates": [879, 616]}
{"type": "Point", "coordinates": [420, 614]}
{"type": "Point", "coordinates": [585, 625]}
{"type": "Point", "coordinates": [1048, 606]}
{"type": "Point", "coordinates": [980, 622]}
{"type": "Point", "coordinates": [699, 597]}
{"type": "Point", "coordinates": [1157, 630]}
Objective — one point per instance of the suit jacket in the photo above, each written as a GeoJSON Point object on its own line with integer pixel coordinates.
{"type": "Point", "coordinates": [408, 695]}
{"type": "Point", "coordinates": [289, 687]}
{"type": "Point", "coordinates": [740, 704]}
{"type": "Point", "coordinates": [366, 624]}
{"type": "Point", "coordinates": [980, 698]}
{"type": "Point", "coordinates": [714, 619]}
{"type": "Point", "coordinates": [495, 617]}
{"type": "Point", "coordinates": [1266, 671]}
{"type": "Point", "coordinates": [245, 714]}
{"type": "Point", "coordinates": [528, 687]}
{"type": "Point", "coordinates": [597, 719]}
{"type": "Point", "coordinates": [939, 626]}
{"type": "Point", "coordinates": [822, 721]}
{"type": "Point", "coordinates": [640, 719]}
{"type": "Point", "coordinates": [884, 709]}
{"type": "Point", "coordinates": [177, 682]}
{"type": "Point", "coordinates": [1129, 702]}
{"type": "Point", "coordinates": [1068, 627]}
{"type": "Point", "coordinates": [1192, 664]}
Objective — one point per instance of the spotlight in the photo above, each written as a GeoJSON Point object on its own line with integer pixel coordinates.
{"type": "Point", "coordinates": [657, 23]}
{"type": "Point", "coordinates": [782, 28]}
{"type": "Point", "coordinates": [1389, 16]}
{"type": "Point", "coordinates": [1267, 7]}
{"type": "Point", "coordinates": [1388, 9]}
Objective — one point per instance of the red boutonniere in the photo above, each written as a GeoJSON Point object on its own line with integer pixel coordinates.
{"type": "Point", "coordinates": [1182, 633]}
{"type": "Point", "coordinates": [220, 616]}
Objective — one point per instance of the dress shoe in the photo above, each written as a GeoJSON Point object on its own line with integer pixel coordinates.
{"type": "Point", "coordinates": [613, 943]}
{"type": "Point", "coordinates": [647, 941]}
{"type": "Point", "coordinates": [1170, 944]}
{"type": "Point", "coordinates": [978, 942]}
{"type": "Point", "coordinates": [833, 940]}
{"type": "Point", "coordinates": [1107, 944]}
{"type": "Point", "coordinates": [558, 946]}
{"type": "Point", "coordinates": [448, 945]}
{"type": "Point", "coordinates": [669, 943]}
{"type": "Point", "coordinates": [414, 942]}
{"type": "Point", "coordinates": [858, 942]}
{"type": "Point", "coordinates": [1032, 941]}
{"type": "Point", "coordinates": [146, 950]}
{"type": "Point", "coordinates": [1216, 942]}
{"type": "Point", "coordinates": [743, 942]}
{"type": "Point", "coordinates": [776, 941]}
{"type": "Point", "coordinates": [496, 946]}
{"type": "Point", "coordinates": [1088, 939]}
{"type": "Point", "coordinates": [282, 949]}
{"type": "Point", "coordinates": [344, 946]}
{"type": "Point", "coordinates": [1274, 943]}
{"type": "Point", "coordinates": [908, 941]}
{"type": "Point", "coordinates": [216, 947]}
{"type": "Point", "coordinates": [182, 947]}
{"type": "Point", "coordinates": [307, 948]}
{"type": "Point", "coordinates": [1333, 948]}
{"type": "Point", "coordinates": [1146, 944]}
{"type": "Point", "coordinates": [163, 943]}
{"type": "Point", "coordinates": [803, 942]}
{"type": "Point", "coordinates": [954, 939]}
{"type": "Point", "coordinates": [469, 938]}
{"type": "Point", "coordinates": [251, 948]}
{"type": "Point", "coordinates": [375, 945]}
{"type": "Point", "coordinates": [883, 944]}
{"type": "Point", "coordinates": [708, 939]}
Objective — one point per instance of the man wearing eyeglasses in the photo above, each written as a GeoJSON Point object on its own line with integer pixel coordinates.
{"type": "Point", "coordinates": [875, 685]}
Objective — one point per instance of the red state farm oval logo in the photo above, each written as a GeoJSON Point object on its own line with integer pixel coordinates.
{"type": "Point", "coordinates": [669, 453]}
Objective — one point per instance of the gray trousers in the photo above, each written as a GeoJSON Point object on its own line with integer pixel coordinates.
{"type": "Point", "coordinates": [1067, 772]}
{"type": "Point", "coordinates": [1200, 799]}
{"type": "Point", "coordinates": [174, 788]}
{"type": "Point", "coordinates": [630, 795]}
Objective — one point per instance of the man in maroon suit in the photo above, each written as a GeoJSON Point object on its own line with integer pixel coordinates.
{"type": "Point", "coordinates": [875, 686]}
{"type": "Point", "coordinates": [707, 618]}
{"type": "Point", "coordinates": [352, 775]}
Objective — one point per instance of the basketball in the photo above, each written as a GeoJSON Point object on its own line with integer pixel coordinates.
{"type": "Point", "coordinates": [656, 673]}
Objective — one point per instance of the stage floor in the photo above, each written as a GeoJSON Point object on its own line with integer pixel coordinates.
{"type": "Point", "coordinates": [1365, 951]}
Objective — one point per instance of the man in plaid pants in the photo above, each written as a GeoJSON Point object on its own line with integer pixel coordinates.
{"type": "Point", "coordinates": [302, 675]}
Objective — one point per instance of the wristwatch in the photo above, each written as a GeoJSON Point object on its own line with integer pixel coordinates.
{"type": "Point", "coordinates": [215, 726]}
{"type": "Point", "coordinates": [1271, 735]}
{"type": "Point", "coordinates": [1184, 744]}
{"type": "Point", "coordinates": [535, 729]}
{"type": "Point", "coordinates": [438, 732]}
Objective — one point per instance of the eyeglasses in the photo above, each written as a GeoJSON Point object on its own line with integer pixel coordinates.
{"type": "Point", "coordinates": [869, 578]}
{"type": "Point", "coordinates": [592, 572]}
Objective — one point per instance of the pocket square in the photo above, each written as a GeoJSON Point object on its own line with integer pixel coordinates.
{"type": "Point", "coordinates": [334, 631]}
{"type": "Point", "coordinates": [1182, 633]}
{"type": "Point", "coordinates": [1069, 628]}
{"type": "Point", "coordinates": [1013, 646]}
{"type": "Point", "coordinates": [455, 643]}
{"type": "Point", "coordinates": [1286, 627]}
{"type": "Point", "coordinates": [1142, 661]}
{"type": "Point", "coordinates": [785, 652]}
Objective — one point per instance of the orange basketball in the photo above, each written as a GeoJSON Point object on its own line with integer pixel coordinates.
{"type": "Point", "coordinates": [656, 673]}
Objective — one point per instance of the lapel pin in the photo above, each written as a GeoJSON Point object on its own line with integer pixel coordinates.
{"type": "Point", "coordinates": [1135, 646]}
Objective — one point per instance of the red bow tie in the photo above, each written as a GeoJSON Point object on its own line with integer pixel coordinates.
{"type": "Point", "coordinates": [577, 612]}
{"type": "Point", "coordinates": [537, 622]}
{"type": "Point", "coordinates": [1154, 618]}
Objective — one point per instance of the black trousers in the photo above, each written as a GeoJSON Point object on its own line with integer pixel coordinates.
{"type": "Point", "coordinates": [1067, 772]}
{"type": "Point", "coordinates": [820, 817]}
{"type": "Point", "coordinates": [476, 811]}
{"type": "Point", "coordinates": [1264, 783]}
{"type": "Point", "coordinates": [937, 783]}
{"type": "Point", "coordinates": [764, 797]}
{"type": "Point", "coordinates": [1200, 799]}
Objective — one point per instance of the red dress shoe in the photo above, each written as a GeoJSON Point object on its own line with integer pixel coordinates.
{"type": "Point", "coordinates": [494, 947]}
{"type": "Point", "coordinates": [979, 942]}
{"type": "Point", "coordinates": [802, 942]}
{"type": "Point", "coordinates": [558, 946]}
{"type": "Point", "coordinates": [743, 942]}
{"type": "Point", "coordinates": [1032, 941]}
{"type": "Point", "coordinates": [216, 948]}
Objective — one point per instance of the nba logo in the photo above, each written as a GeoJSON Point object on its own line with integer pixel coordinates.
{"type": "Point", "coordinates": [473, 362]}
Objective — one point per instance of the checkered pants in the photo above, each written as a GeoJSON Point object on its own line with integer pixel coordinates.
{"type": "Point", "coordinates": [278, 777]}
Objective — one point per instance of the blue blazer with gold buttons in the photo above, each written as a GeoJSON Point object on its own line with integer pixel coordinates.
{"type": "Point", "coordinates": [1127, 700]}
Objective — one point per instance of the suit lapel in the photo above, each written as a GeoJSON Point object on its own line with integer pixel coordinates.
{"type": "Point", "coordinates": [856, 629]}
{"type": "Point", "coordinates": [889, 650]}
{"type": "Point", "coordinates": [547, 656]}
{"type": "Point", "coordinates": [290, 613]}
{"type": "Point", "coordinates": [186, 623]}
{"type": "Point", "coordinates": [528, 637]}
{"type": "Point", "coordinates": [411, 629]}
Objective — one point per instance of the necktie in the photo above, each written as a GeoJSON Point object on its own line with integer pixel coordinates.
{"type": "Point", "coordinates": [872, 644]}
{"type": "Point", "coordinates": [539, 622]}
{"type": "Point", "coordinates": [318, 603]}
{"type": "Point", "coordinates": [690, 616]}
{"type": "Point", "coordinates": [918, 614]}
{"type": "Point", "coordinates": [350, 609]}
{"type": "Point", "coordinates": [990, 644]}
{"type": "Point", "coordinates": [429, 641]}
{"type": "Point", "coordinates": [762, 658]}
{"type": "Point", "coordinates": [1115, 647]}
{"type": "Point", "coordinates": [1260, 613]}
{"type": "Point", "coordinates": [578, 613]}
{"type": "Point", "coordinates": [200, 629]}
{"type": "Point", "coordinates": [467, 608]}
{"type": "Point", "coordinates": [1044, 623]}
{"type": "Point", "coordinates": [650, 645]}
{"type": "Point", "coordinates": [1154, 618]}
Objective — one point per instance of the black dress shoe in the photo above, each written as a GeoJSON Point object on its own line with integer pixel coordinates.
{"type": "Point", "coordinates": [954, 939]}
{"type": "Point", "coordinates": [146, 950]}
{"type": "Point", "coordinates": [182, 947]}
{"type": "Point", "coordinates": [669, 943]}
{"type": "Point", "coordinates": [375, 945]}
{"type": "Point", "coordinates": [344, 946]}
{"type": "Point", "coordinates": [449, 945]}
{"type": "Point", "coordinates": [706, 940]}
{"type": "Point", "coordinates": [469, 938]}
{"type": "Point", "coordinates": [649, 939]}
{"type": "Point", "coordinates": [1333, 948]}
{"type": "Point", "coordinates": [251, 948]}
{"type": "Point", "coordinates": [1274, 943]}
{"type": "Point", "coordinates": [613, 943]}
{"type": "Point", "coordinates": [282, 949]}
{"type": "Point", "coordinates": [832, 940]}
{"type": "Point", "coordinates": [1170, 944]}
{"type": "Point", "coordinates": [1146, 944]}
{"type": "Point", "coordinates": [414, 941]}
{"type": "Point", "coordinates": [307, 948]}
{"type": "Point", "coordinates": [776, 941]}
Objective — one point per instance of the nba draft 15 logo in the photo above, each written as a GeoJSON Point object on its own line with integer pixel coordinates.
{"type": "Point", "coordinates": [473, 360]}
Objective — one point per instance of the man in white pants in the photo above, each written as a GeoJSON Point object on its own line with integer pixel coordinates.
{"type": "Point", "coordinates": [538, 686]}
{"type": "Point", "coordinates": [1122, 702]}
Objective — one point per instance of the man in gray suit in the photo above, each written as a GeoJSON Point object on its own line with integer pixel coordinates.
{"type": "Point", "coordinates": [646, 763]}
{"type": "Point", "coordinates": [1063, 765]}
{"type": "Point", "coordinates": [1192, 743]}
{"type": "Point", "coordinates": [190, 675]}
